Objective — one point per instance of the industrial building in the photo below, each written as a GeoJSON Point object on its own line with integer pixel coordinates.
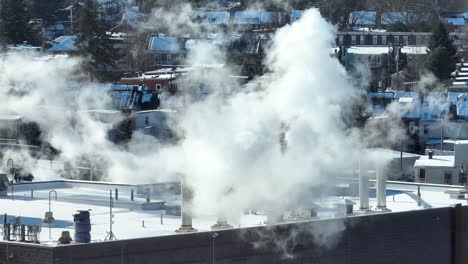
{"type": "Point", "coordinates": [87, 222]}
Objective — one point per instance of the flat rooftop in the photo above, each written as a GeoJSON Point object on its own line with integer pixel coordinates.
{"type": "Point", "coordinates": [139, 218]}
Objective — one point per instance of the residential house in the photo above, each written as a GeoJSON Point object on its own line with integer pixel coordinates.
{"type": "Point", "coordinates": [296, 15]}
{"type": "Point", "coordinates": [375, 59]}
{"type": "Point", "coordinates": [258, 20]}
{"type": "Point", "coordinates": [64, 45]}
{"type": "Point", "coordinates": [460, 78]}
{"type": "Point", "coordinates": [156, 123]}
{"type": "Point", "coordinates": [167, 50]}
{"type": "Point", "coordinates": [449, 169]}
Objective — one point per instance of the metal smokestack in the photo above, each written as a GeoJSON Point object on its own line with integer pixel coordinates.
{"type": "Point", "coordinates": [221, 223]}
{"type": "Point", "coordinates": [381, 180]}
{"type": "Point", "coordinates": [363, 190]}
{"type": "Point", "coordinates": [186, 207]}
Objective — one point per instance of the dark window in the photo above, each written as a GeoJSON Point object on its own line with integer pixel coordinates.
{"type": "Point", "coordinates": [422, 175]}
{"type": "Point", "coordinates": [146, 120]}
{"type": "Point", "coordinates": [448, 177]}
{"type": "Point", "coordinates": [426, 129]}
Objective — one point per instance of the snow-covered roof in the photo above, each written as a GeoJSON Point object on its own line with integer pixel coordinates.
{"type": "Point", "coordinates": [455, 97]}
{"type": "Point", "coordinates": [166, 45]}
{"type": "Point", "coordinates": [368, 50]}
{"type": "Point", "coordinates": [217, 18]}
{"type": "Point", "coordinates": [256, 17]}
{"type": "Point", "coordinates": [64, 44]}
{"type": "Point", "coordinates": [380, 95]}
{"type": "Point", "coordinates": [394, 17]}
{"type": "Point", "coordinates": [436, 161]}
{"type": "Point", "coordinates": [434, 106]}
{"type": "Point", "coordinates": [10, 117]}
{"type": "Point", "coordinates": [456, 21]}
{"type": "Point", "coordinates": [362, 18]}
{"type": "Point", "coordinates": [296, 15]}
{"type": "Point", "coordinates": [414, 50]}
{"type": "Point", "coordinates": [462, 109]}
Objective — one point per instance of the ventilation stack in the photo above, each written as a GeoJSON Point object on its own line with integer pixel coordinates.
{"type": "Point", "coordinates": [381, 180]}
{"type": "Point", "coordinates": [186, 208]}
{"type": "Point", "coordinates": [221, 223]}
{"type": "Point", "coordinates": [363, 190]}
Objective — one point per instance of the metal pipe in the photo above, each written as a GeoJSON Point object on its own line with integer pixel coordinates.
{"type": "Point", "coordinates": [186, 207]}
{"type": "Point", "coordinates": [381, 189]}
{"type": "Point", "coordinates": [11, 170]}
{"type": "Point", "coordinates": [55, 192]}
{"type": "Point", "coordinates": [148, 196]}
{"type": "Point", "coordinates": [363, 189]}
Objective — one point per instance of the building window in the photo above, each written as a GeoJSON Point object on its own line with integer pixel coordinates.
{"type": "Point", "coordinates": [158, 59]}
{"type": "Point", "coordinates": [146, 120]}
{"type": "Point", "coordinates": [426, 129]}
{"type": "Point", "coordinates": [158, 87]}
{"type": "Point", "coordinates": [448, 177]}
{"type": "Point", "coordinates": [462, 176]}
{"type": "Point", "coordinates": [340, 40]}
{"type": "Point", "coordinates": [422, 175]}
{"type": "Point", "coordinates": [384, 40]}
{"type": "Point", "coordinates": [419, 40]}
{"type": "Point", "coordinates": [396, 40]}
{"type": "Point", "coordinates": [375, 40]}
{"type": "Point", "coordinates": [353, 40]}
{"type": "Point", "coordinates": [362, 40]}
{"type": "Point", "coordinates": [405, 40]}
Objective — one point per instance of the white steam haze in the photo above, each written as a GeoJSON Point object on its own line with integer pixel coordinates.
{"type": "Point", "coordinates": [230, 151]}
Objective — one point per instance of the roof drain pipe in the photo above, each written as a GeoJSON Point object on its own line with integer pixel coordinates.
{"type": "Point", "coordinates": [186, 207]}
{"type": "Point", "coordinates": [363, 190]}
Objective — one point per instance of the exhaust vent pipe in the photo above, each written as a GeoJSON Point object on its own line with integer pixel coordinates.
{"type": "Point", "coordinates": [381, 180]}
{"type": "Point", "coordinates": [186, 208]}
{"type": "Point", "coordinates": [221, 223]}
{"type": "Point", "coordinates": [363, 190]}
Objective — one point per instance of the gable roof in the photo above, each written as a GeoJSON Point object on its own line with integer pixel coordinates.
{"type": "Point", "coordinates": [64, 44]}
{"type": "Point", "coordinates": [165, 45]}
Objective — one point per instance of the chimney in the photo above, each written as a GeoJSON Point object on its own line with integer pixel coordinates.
{"type": "Point", "coordinates": [221, 223]}
{"type": "Point", "coordinates": [186, 207]}
{"type": "Point", "coordinates": [363, 190]}
{"type": "Point", "coordinates": [431, 154]}
{"type": "Point", "coordinates": [381, 180]}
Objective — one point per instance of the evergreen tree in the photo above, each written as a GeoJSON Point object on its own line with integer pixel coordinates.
{"type": "Point", "coordinates": [93, 42]}
{"type": "Point", "coordinates": [442, 53]}
{"type": "Point", "coordinates": [14, 17]}
{"type": "Point", "coordinates": [46, 10]}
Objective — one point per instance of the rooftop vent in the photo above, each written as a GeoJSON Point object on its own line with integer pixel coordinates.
{"type": "Point", "coordinates": [186, 208]}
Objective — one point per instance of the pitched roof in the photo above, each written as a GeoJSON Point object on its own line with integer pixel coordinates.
{"type": "Point", "coordinates": [296, 15]}
{"type": "Point", "coordinates": [64, 44]}
{"type": "Point", "coordinates": [256, 17]}
{"type": "Point", "coordinates": [165, 45]}
{"type": "Point", "coordinates": [217, 18]}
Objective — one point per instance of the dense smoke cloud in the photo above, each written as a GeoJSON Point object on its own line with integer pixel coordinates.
{"type": "Point", "coordinates": [267, 145]}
